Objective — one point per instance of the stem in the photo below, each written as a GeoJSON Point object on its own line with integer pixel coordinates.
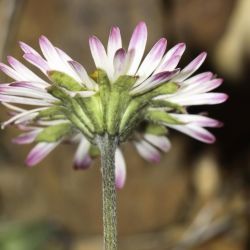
{"type": "Point", "coordinates": [107, 145]}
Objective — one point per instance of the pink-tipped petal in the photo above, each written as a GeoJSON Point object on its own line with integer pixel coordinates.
{"type": "Point", "coordinates": [49, 51]}
{"type": "Point", "coordinates": [82, 159]}
{"type": "Point", "coordinates": [191, 67]}
{"type": "Point", "coordinates": [152, 60]}
{"type": "Point", "coordinates": [99, 55]}
{"type": "Point", "coordinates": [84, 164]}
{"type": "Point", "coordinates": [171, 64]}
{"type": "Point", "coordinates": [148, 152]}
{"type": "Point", "coordinates": [26, 138]}
{"type": "Point", "coordinates": [26, 92]}
{"type": "Point", "coordinates": [21, 116]}
{"type": "Point", "coordinates": [37, 61]}
{"type": "Point", "coordinates": [114, 43]}
{"type": "Point", "coordinates": [39, 152]}
{"type": "Point", "coordinates": [195, 132]}
{"type": "Point", "coordinates": [27, 49]}
{"type": "Point", "coordinates": [199, 99]}
{"type": "Point", "coordinates": [23, 100]}
{"type": "Point", "coordinates": [119, 62]}
{"type": "Point", "coordinates": [199, 120]}
{"type": "Point", "coordinates": [57, 60]}
{"type": "Point", "coordinates": [11, 72]}
{"type": "Point", "coordinates": [63, 55]}
{"type": "Point", "coordinates": [120, 169]}
{"type": "Point", "coordinates": [137, 45]}
{"type": "Point", "coordinates": [30, 85]}
{"type": "Point", "coordinates": [161, 142]}
{"type": "Point", "coordinates": [171, 59]}
{"type": "Point", "coordinates": [26, 73]}
{"type": "Point", "coordinates": [83, 75]}
{"type": "Point", "coordinates": [154, 81]}
{"type": "Point", "coordinates": [200, 87]}
{"type": "Point", "coordinates": [200, 78]}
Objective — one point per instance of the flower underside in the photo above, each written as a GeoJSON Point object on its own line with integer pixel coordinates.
{"type": "Point", "coordinates": [113, 109]}
{"type": "Point", "coordinates": [126, 97]}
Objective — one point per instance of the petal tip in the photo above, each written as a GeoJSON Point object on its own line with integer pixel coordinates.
{"type": "Point", "coordinates": [226, 97]}
{"type": "Point", "coordinates": [203, 54]}
{"type": "Point", "coordinates": [11, 59]}
{"type": "Point", "coordinates": [119, 184]}
{"type": "Point", "coordinates": [44, 41]}
{"type": "Point", "coordinates": [82, 165]}
{"type": "Point", "coordinates": [30, 162]}
{"type": "Point", "coordinates": [142, 23]}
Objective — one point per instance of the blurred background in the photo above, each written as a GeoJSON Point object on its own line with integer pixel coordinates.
{"type": "Point", "coordinates": [196, 198]}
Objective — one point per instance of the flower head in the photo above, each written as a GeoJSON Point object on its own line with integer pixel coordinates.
{"type": "Point", "coordinates": [127, 97]}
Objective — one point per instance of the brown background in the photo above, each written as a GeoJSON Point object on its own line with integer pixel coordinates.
{"type": "Point", "coordinates": [196, 198]}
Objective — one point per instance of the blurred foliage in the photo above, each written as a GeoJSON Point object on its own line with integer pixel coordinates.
{"type": "Point", "coordinates": [27, 236]}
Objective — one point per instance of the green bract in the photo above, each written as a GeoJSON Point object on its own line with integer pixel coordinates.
{"type": "Point", "coordinates": [54, 133]}
{"type": "Point", "coordinates": [111, 109]}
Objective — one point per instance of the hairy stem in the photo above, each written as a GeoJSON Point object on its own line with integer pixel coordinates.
{"type": "Point", "coordinates": [107, 145]}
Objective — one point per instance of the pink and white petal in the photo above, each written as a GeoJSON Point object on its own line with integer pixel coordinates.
{"type": "Point", "coordinates": [39, 152]}
{"type": "Point", "coordinates": [25, 127]}
{"type": "Point", "coordinates": [55, 58]}
{"type": "Point", "coordinates": [11, 72]}
{"type": "Point", "coordinates": [147, 151]}
{"type": "Point", "coordinates": [199, 120]}
{"type": "Point", "coordinates": [24, 115]}
{"type": "Point", "coordinates": [28, 49]}
{"type": "Point", "coordinates": [161, 142]}
{"type": "Point", "coordinates": [120, 169]}
{"type": "Point", "coordinates": [199, 88]}
{"type": "Point", "coordinates": [26, 138]}
{"type": "Point", "coordinates": [99, 55]}
{"type": "Point", "coordinates": [82, 160]}
{"type": "Point", "coordinates": [63, 55]}
{"type": "Point", "coordinates": [83, 75]}
{"type": "Point", "coordinates": [171, 64]}
{"type": "Point", "coordinates": [191, 67]}
{"type": "Point", "coordinates": [152, 60]}
{"type": "Point", "coordinates": [199, 99]}
{"type": "Point", "coordinates": [136, 47]}
{"type": "Point", "coordinates": [49, 52]}
{"type": "Point", "coordinates": [23, 100]}
{"type": "Point", "coordinates": [171, 59]}
{"type": "Point", "coordinates": [195, 132]}
{"type": "Point", "coordinates": [200, 78]}
{"type": "Point", "coordinates": [27, 74]}
{"type": "Point", "coordinates": [30, 85]}
{"type": "Point", "coordinates": [66, 66]}
{"type": "Point", "coordinates": [26, 92]}
{"type": "Point", "coordinates": [154, 81]}
{"type": "Point", "coordinates": [114, 43]}
{"type": "Point", "coordinates": [119, 62]}
{"type": "Point", "coordinates": [37, 61]}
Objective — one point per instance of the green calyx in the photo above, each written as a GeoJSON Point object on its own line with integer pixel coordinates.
{"type": "Point", "coordinates": [155, 129]}
{"type": "Point", "coordinates": [112, 109]}
{"type": "Point", "coordinates": [118, 102]}
{"type": "Point", "coordinates": [161, 117]}
{"type": "Point", "coordinates": [54, 133]}
{"type": "Point", "coordinates": [65, 81]}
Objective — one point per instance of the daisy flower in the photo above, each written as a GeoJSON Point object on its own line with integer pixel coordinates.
{"type": "Point", "coordinates": [129, 97]}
